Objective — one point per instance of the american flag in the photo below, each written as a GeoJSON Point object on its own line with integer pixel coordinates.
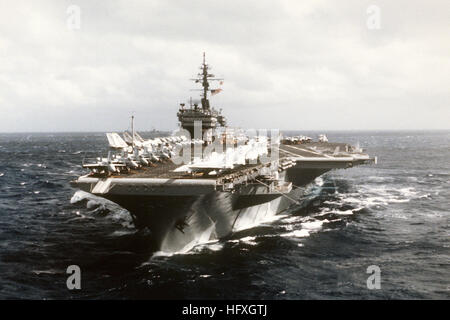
{"type": "Point", "coordinates": [215, 91]}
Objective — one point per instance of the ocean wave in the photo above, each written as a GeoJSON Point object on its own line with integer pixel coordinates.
{"type": "Point", "coordinates": [79, 196]}
{"type": "Point", "coordinates": [213, 245]}
{"type": "Point", "coordinates": [302, 233]}
{"type": "Point", "coordinates": [313, 225]}
{"type": "Point", "coordinates": [247, 240]}
{"type": "Point", "coordinates": [80, 216]}
{"type": "Point", "coordinates": [191, 249]}
{"type": "Point", "coordinates": [120, 233]}
{"type": "Point", "coordinates": [376, 196]}
{"type": "Point", "coordinates": [379, 179]}
{"type": "Point", "coordinates": [103, 207]}
{"type": "Point", "coordinates": [318, 181]}
{"type": "Point", "coordinates": [50, 271]}
{"type": "Point", "coordinates": [306, 228]}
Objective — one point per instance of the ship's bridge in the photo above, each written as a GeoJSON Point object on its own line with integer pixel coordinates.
{"type": "Point", "coordinates": [203, 115]}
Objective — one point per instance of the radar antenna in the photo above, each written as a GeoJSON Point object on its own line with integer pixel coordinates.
{"type": "Point", "coordinates": [204, 77]}
{"type": "Point", "coordinates": [208, 117]}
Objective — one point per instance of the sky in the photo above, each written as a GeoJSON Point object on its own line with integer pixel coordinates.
{"type": "Point", "coordinates": [291, 65]}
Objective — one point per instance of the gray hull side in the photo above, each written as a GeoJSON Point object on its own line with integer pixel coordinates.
{"type": "Point", "coordinates": [178, 223]}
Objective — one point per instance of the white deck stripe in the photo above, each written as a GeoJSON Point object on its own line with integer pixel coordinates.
{"type": "Point", "coordinates": [306, 150]}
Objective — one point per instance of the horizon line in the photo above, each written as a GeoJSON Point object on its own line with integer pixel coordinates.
{"type": "Point", "coordinates": [169, 130]}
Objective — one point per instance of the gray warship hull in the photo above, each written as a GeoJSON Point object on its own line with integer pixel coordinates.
{"type": "Point", "coordinates": [179, 222]}
{"type": "Point", "coordinates": [181, 213]}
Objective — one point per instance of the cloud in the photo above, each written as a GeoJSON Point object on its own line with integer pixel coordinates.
{"type": "Point", "coordinates": [287, 64]}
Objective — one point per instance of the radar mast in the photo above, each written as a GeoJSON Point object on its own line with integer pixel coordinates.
{"type": "Point", "coordinates": [204, 77]}
{"type": "Point", "coordinates": [206, 115]}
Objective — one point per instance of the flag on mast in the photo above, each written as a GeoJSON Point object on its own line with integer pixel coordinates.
{"type": "Point", "coordinates": [215, 91]}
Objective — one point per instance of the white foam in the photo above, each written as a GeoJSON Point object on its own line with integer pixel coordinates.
{"type": "Point", "coordinates": [408, 192]}
{"type": "Point", "coordinates": [338, 203]}
{"type": "Point", "coordinates": [294, 219]}
{"type": "Point", "coordinates": [249, 240]}
{"type": "Point", "coordinates": [162, 254]}
{"type": "Point", "coordinates": [50, 271]}
{"type": "Point", "coordinates": [343, 213]}
{"type": "Point", "coordinates": [212, 245]}
{"type": "Point", "coordinates": [194, 247]}
{"type": "Point", "coordinates": [297, 234]}
{"type": "Point", "coordinates": [80, 216]}
{"type": "Point", "coordinates": [313, 225]}
{"type": "Point", "coordinates": [119, 233]}
{"type": "Point", "coordinates": [319, 181]}
{"type": "Point", "coordinates": [379, 179]}
{"type": "Point", "coordinates": [398, 200]}
{"type": "Point", "coordinates": [375, 196]}
{"type": "Point", "coordinates": [117, 213]}
{"type": "Point", "coordinates": [79, 196]}
{"type": "Point", "coordinates": [92, 204]}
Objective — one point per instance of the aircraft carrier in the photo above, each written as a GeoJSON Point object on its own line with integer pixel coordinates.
{"type": "Point", "coordinates": [208, 180]}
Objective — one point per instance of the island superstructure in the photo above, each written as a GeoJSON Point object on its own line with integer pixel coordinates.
{"type": "Point", "coordinates": [209, 117]}
{"type": "Point", "coordinates": [209, 180]}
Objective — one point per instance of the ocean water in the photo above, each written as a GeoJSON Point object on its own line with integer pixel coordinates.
{"type": "Point", "coordinates": [394, 215]}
